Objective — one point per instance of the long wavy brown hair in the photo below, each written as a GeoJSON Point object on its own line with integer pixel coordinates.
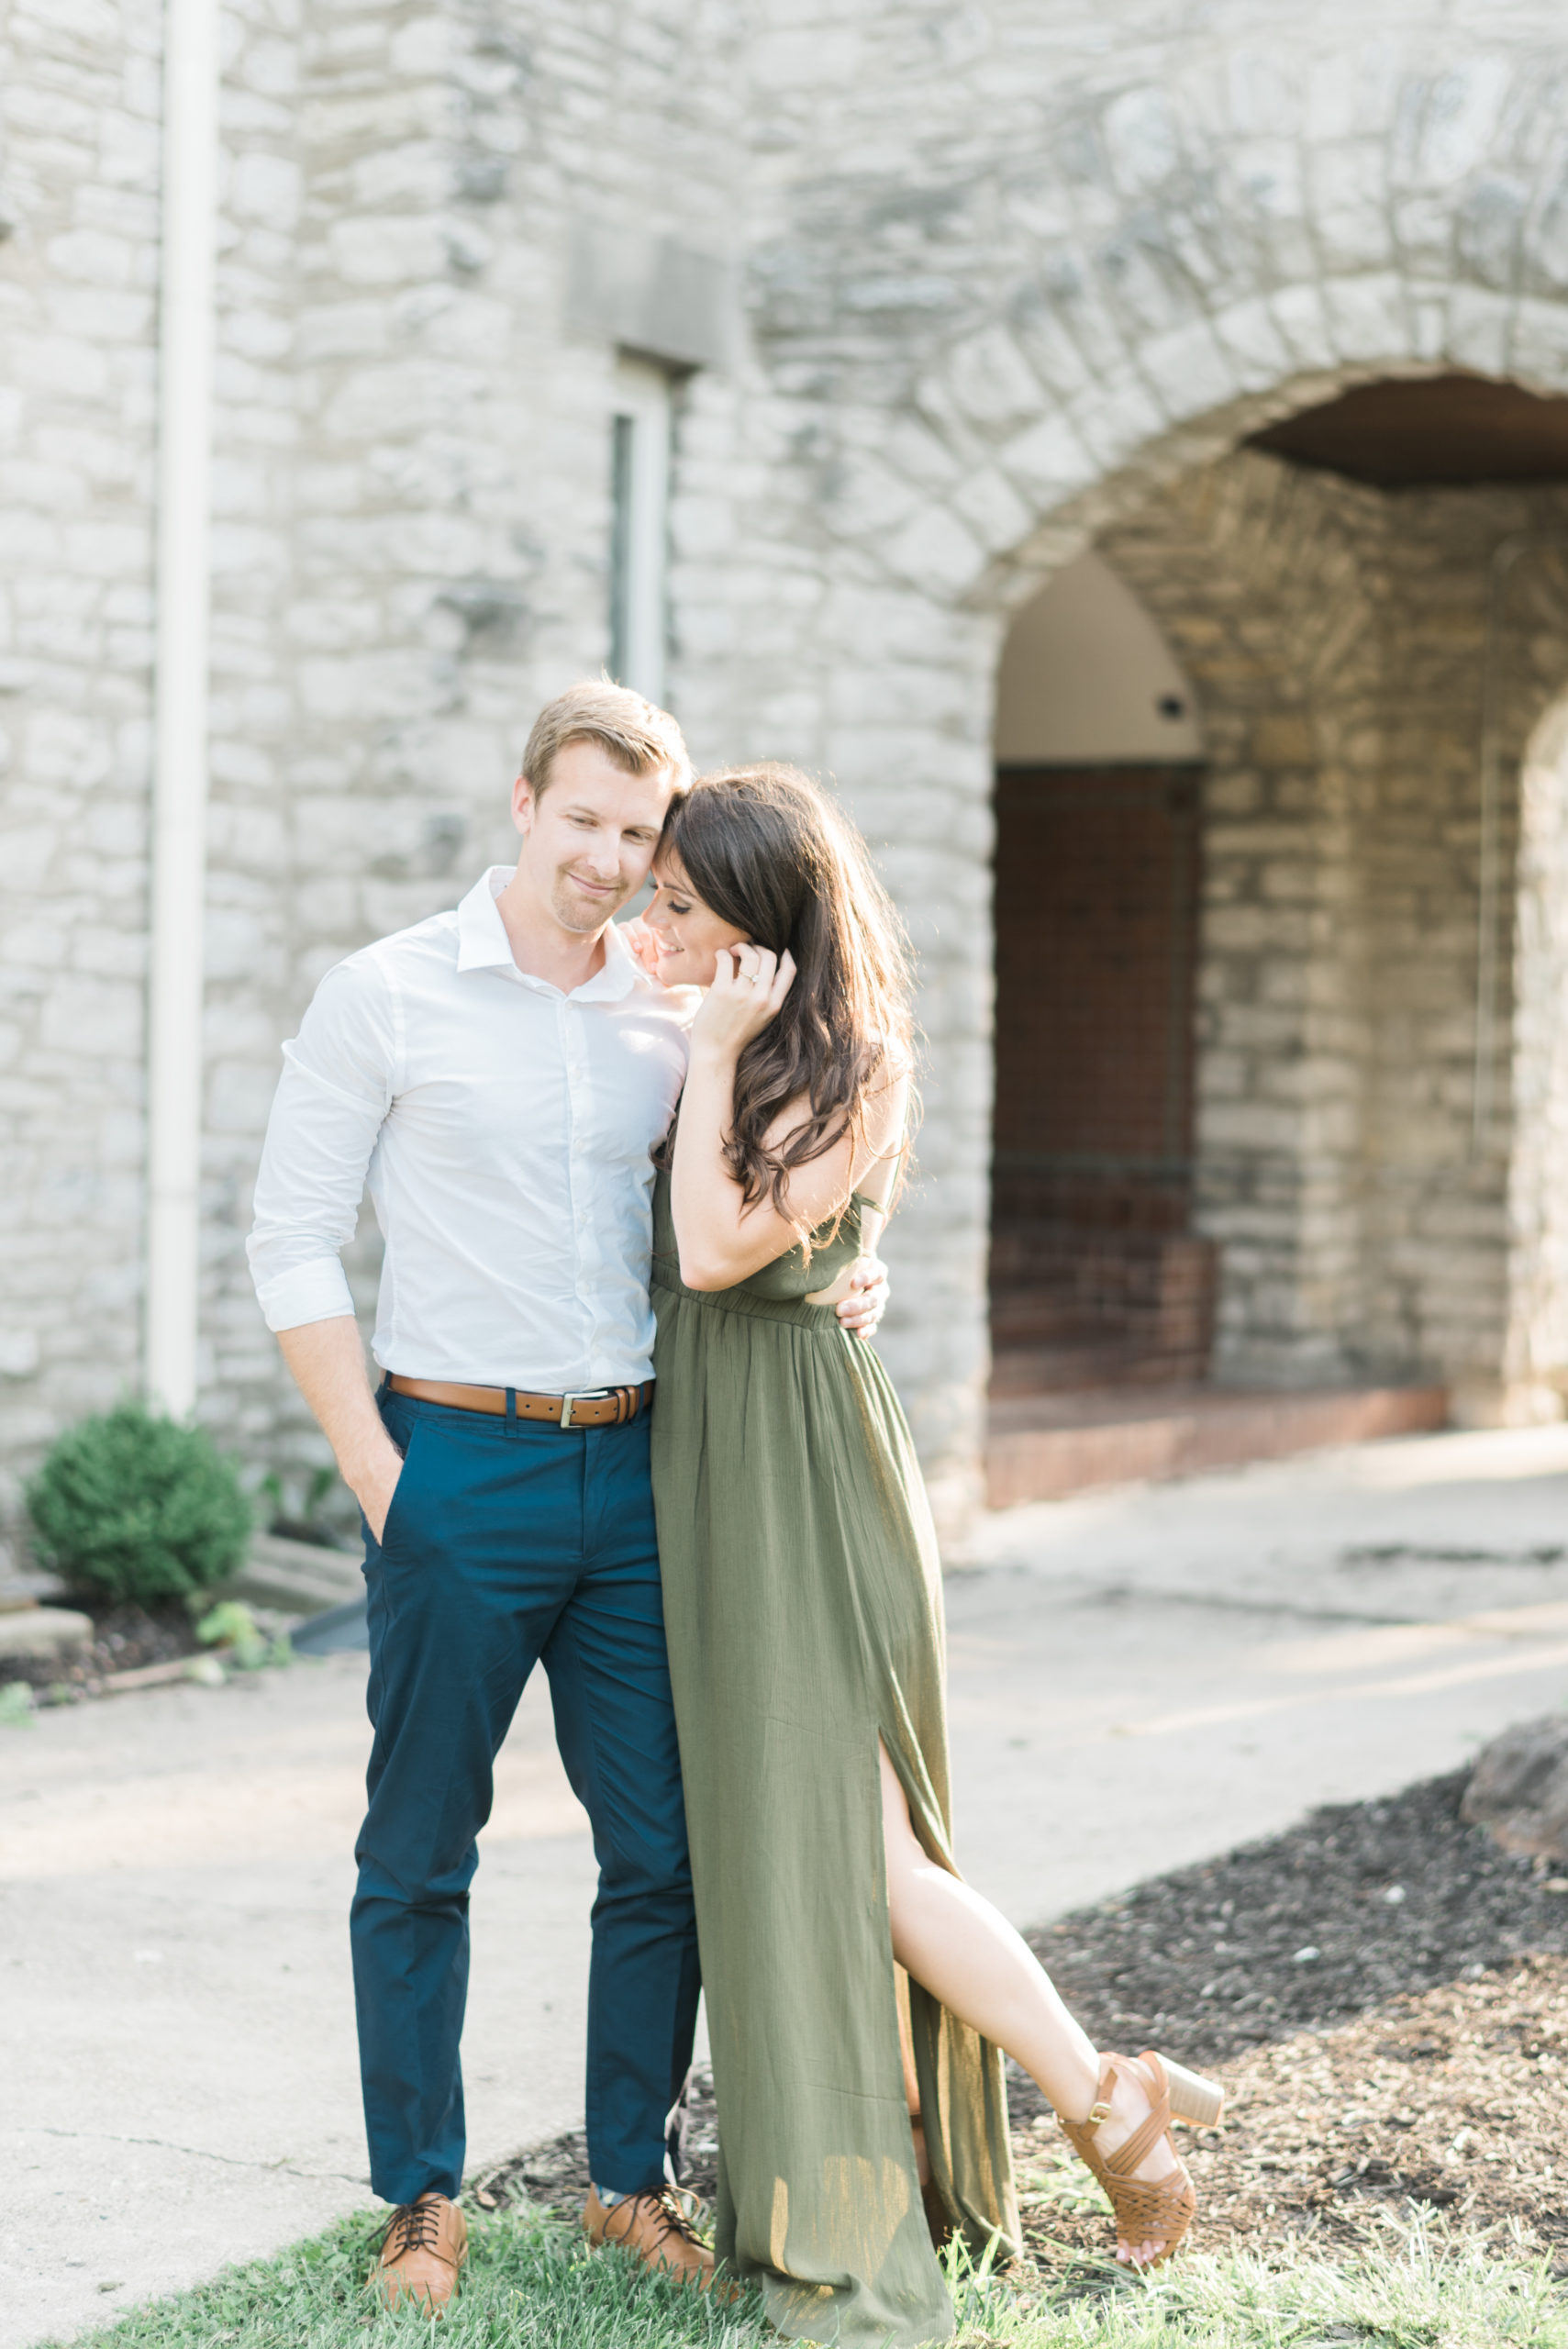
{"type": "Point", "coordinates": [767, 850]}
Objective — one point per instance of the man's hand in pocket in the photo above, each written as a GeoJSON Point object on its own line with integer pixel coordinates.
{"type": "Point", "coordinates": [375, 1485]}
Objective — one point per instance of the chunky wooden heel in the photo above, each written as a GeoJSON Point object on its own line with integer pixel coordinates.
{"type": "Point", "coordinates": [1194, 2099]}
{"type": "Point", "coordinates": [1148, 2209]}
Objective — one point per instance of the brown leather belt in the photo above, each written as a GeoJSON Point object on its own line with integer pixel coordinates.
{"type": "Point", "coordinates": [608, 1406]}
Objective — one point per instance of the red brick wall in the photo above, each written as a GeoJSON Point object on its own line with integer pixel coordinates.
{"type": "Point", "coordinates": [1096, 911]}
{"type": "Point", "coordinates": [1097, 898]}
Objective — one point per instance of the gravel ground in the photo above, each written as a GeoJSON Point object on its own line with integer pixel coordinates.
{"type": "Point", "coordinates": [1385, 1997]}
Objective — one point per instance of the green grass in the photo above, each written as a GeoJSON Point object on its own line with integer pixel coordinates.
{"type": "Point", "coordinates": [531, 2284]}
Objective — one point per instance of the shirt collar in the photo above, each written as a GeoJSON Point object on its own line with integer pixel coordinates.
{"type": "Point", "coordinates": [482, 945]}
{"type": "Point", "coordinates": [481, 940]}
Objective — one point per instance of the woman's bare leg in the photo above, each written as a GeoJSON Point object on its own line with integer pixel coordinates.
{"type": "Point", "coordinates": [963, 1951]}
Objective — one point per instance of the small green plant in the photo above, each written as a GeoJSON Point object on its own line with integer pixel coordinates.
{"type": "Point", "coordinates": [16, 1705]}
{"type": "Point", "coordinates": [133, 1506]}
{"type": "Point", "coordinates": [231, 1627]}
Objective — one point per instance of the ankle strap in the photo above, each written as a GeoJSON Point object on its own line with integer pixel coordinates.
{"type": "Point", "coordinates": [1156, 2124]}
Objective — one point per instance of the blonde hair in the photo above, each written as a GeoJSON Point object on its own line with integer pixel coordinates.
{"type": "Point", "coordinates": [638, 736]}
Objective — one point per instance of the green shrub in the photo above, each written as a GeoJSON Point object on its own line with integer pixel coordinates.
{"type": "Point", "coordinates": [135, 1508]}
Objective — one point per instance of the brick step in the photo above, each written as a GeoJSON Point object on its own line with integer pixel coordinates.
{"type": "Point", "coordinates": [1132, 1305]}
{"type": "Point", "coordinates": [1045, 1447]}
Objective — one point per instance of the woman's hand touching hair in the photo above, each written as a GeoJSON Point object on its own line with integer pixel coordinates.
{"type": "Point", "coordinates": [747, 995]}
{"type": "Point", "coordinates": [801, 1085]}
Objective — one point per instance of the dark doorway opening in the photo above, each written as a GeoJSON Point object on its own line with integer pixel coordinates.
{"type": "Point", "coordinates": [1427, 430]}
{"type": "Point", "coordinates": [1096, 1278]}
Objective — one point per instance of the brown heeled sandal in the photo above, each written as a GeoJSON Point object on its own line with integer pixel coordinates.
{"type": "Point", "coordinates": [1148, 2209]}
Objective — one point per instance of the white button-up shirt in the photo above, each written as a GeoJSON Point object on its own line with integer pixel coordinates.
{"type": "Point", "coordinates": [503, 1129]}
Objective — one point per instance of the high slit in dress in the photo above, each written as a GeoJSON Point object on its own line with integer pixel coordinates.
{"type": "Point", "coordinates": [804, 1612]}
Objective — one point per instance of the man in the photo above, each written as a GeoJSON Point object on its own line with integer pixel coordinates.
{"type": "Point", "coordinates": [499, 1074]}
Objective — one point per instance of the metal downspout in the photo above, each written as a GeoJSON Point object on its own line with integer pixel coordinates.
{"type": "Point", "coordinates": [180, 770]}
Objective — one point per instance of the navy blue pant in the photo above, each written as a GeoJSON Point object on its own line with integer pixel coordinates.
{"type": "Point", "coordinates": [510, 1541]}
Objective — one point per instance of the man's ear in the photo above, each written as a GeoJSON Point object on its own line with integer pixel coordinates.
{"type": "Point", "coordinates": [523, 805]}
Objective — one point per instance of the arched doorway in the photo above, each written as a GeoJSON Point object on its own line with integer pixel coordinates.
{"type": "Point", "coordinates": [1096, 1277]}
{"type": "Point", "coordinates": [1349, 600]}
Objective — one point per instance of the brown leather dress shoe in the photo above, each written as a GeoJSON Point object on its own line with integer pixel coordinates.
{"type": "Point", "coordinates": [655, 2229]}
{"type": "Point", "coordinates": [423, 2245]}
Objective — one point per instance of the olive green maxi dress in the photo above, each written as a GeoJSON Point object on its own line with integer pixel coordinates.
{"type": "Point", "coordinates": [802, 1605]}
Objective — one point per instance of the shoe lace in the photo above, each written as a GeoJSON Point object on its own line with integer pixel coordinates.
{"type": "Point", "coordinates": [413, 2226]}
{"type": "Point", "coordinates": [672, 2217]}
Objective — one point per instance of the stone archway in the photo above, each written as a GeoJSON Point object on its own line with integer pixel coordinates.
{"type": "Point", "coordinates": [1367, 694]}
{"type": "Point", "coordinates": [996, 321]}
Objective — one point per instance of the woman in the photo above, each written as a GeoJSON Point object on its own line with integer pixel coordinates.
{"type": "Point", "coordinates": [803, 1604]}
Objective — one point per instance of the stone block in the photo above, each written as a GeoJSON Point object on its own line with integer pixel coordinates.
{"type": "Point", "coordinates": [358, 329]}
{"type": "Point", "coordinates": [1518, 1789]}
{"type": "Point", "coordinates": [993, 509]}
{"type": "Point", "coordinates": [30, 1632]}
{"type": "Point", "coordinates": [1250, 336]}
{"type": "Point", "coordinates": [390, 249]}
{"type": "Point", "coordinates": [1190, 370]}
{"type": "Point", "coordinates": [266, 187]}
{"type": "Point", "coordinates": [1537, 344]}
{"type": "Point", "coordinates": [935, 552]}
{"type": "Point", "coordinates": [90, 1018]}
{"type": "Point", "coordinates": [654, 294]}
{"type": "Point", "coordinates": [1048, 461]}
{"type": "Point", "coordinates": [1284, 738]}
{"type": "Point", "coordinates": [991, 382]}
{"type": "Point", "coordinates": [868, 498]}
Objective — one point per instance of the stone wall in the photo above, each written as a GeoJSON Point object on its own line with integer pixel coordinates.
{"type": "Point", "coordinates": [1007, 286]}
{"type": "Point", "coordinates": [410, 552]}
{"type": "Point", "coordinates": [78, 178]}
{"type": "Point", "coordinates": [442, 462]}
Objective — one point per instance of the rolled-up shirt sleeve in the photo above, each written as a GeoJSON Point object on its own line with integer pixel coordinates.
{"type": "Point", "coordinates": [339, 1078]}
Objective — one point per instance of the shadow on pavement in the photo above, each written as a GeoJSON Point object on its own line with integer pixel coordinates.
{"type": "Point", "coordinates": [333, 1633]}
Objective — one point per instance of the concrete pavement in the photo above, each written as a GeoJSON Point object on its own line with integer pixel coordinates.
{"type": "Point", "coordinates": [1142, 1678]}
{"type": "Point", "coordinates": [1137, 1678]}
{"type": "Point", "coordinates": [176, 2025]}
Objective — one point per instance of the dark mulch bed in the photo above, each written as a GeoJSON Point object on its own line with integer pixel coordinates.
{"type": "Point", "coordinates": [1416, 2057]}
{"type": "Point", "coordinates": [1359, 1903]}
{"type": "Point", "coordinates": [125, 1638]}
{"type": "Point", "coordinates": [1384, 1994]}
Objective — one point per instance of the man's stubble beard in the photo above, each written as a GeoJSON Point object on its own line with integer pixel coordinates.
{"type": "Point", "coordinates": [575, 913]}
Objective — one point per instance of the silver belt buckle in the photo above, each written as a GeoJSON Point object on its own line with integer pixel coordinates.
{"type": "Point", "coordinates": [589, 1395]}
